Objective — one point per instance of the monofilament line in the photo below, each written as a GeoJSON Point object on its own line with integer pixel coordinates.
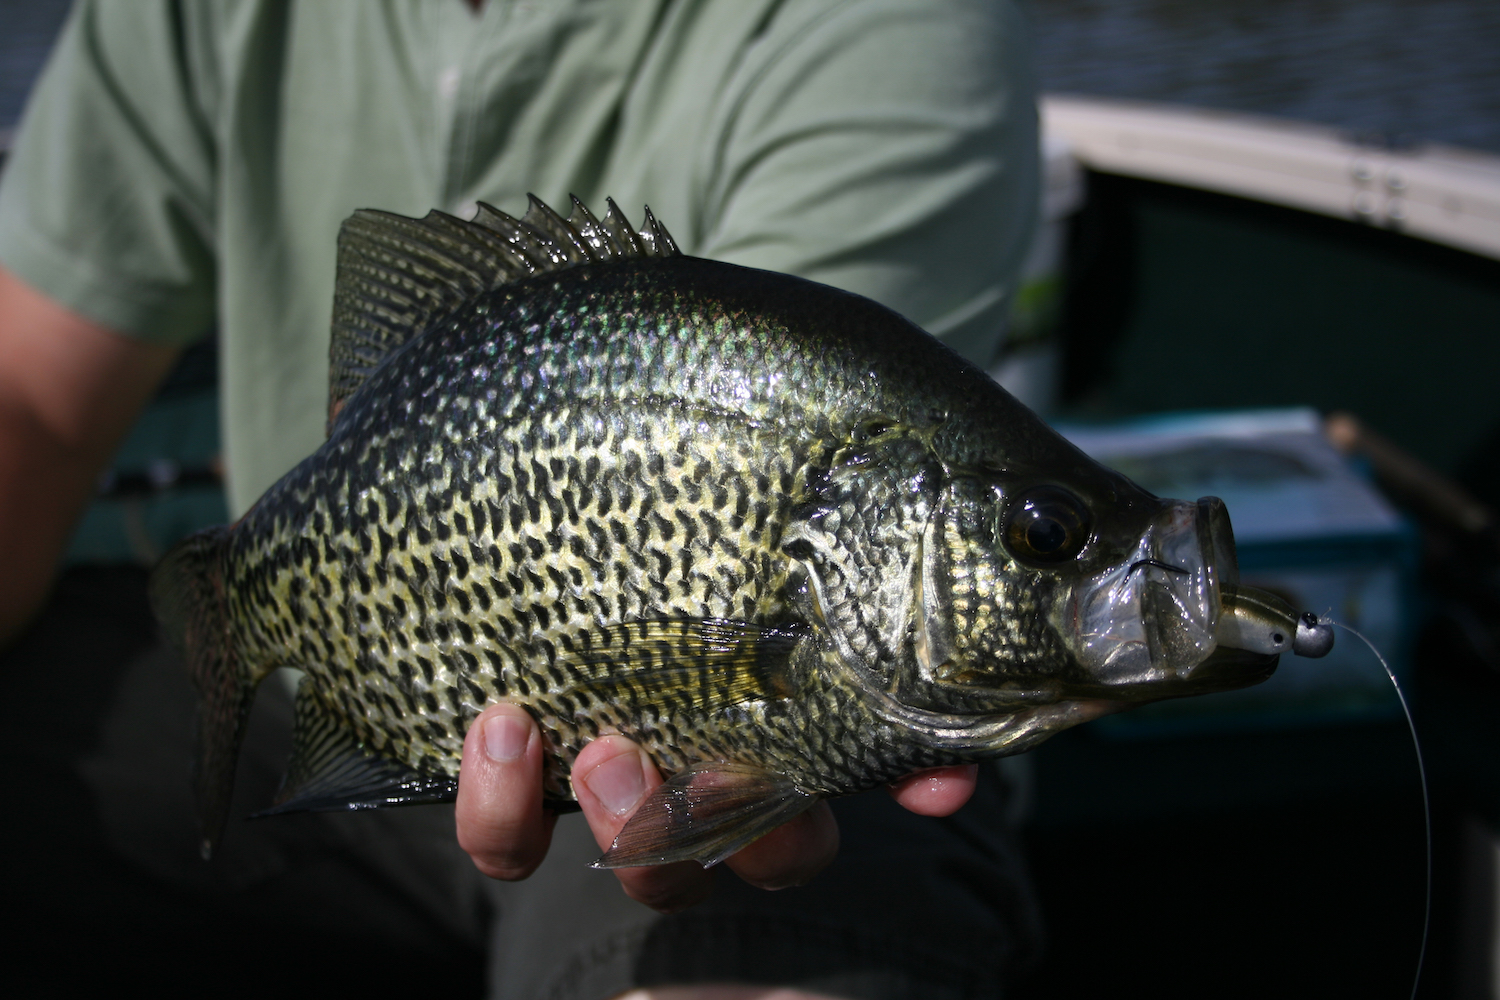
{"type": "Point", "coordinates": [1426, 803]}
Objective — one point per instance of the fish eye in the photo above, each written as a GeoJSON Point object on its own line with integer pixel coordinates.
{"type": "Point", "coordinates": [1046, 525]}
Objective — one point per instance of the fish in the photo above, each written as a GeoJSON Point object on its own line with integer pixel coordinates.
{"type": "Point", "coordinates": [773, 532]}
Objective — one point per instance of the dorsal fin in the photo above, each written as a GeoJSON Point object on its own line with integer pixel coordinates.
{"type": "Point", "coordinates": [396, 273]}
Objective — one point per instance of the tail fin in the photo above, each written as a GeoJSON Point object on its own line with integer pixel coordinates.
{"type": "Point", "coordinates": [187, 594]}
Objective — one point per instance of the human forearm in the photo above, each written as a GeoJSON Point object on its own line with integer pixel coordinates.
{"type": "Point", "coordinates": [69, 389]}
{"type": "Point", "coordinates": [43, 488]}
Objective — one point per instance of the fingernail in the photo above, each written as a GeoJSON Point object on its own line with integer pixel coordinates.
{"type": "Point", "coordinates": [618, 783]}
{"type": "Point", "coordinates": [505, 737]}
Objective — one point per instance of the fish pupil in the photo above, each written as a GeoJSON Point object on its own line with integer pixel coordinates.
{"type": "Point", "coordinates": [1046, 535]}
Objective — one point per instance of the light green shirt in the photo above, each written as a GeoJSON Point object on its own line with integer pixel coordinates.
{"type": "Point", "coordinates": [183, 164]}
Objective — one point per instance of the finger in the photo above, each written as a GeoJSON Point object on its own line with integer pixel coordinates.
{"type": "Point", "coordinates": [612, 777]}
{"type": "Point", "coordinates": [792, 853]}
{"type": "Point", "coordinates": [501, 822]}
{"type": "Point", "coordinates": [937, 792]}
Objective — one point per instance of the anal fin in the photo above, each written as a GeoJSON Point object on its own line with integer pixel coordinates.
{"type": "Point", "coordinates": [331, 770]}
{"type": "Point", "coordinates": [705, 813]}
{"type": "Point", "coordinates": [188, 596]}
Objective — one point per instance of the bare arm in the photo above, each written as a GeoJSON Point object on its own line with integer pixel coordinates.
{"type": "Point", "coordinates": [69, 390]}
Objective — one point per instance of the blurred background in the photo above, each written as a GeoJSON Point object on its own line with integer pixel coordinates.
{"type": "Point", "coordinates": [1269, 270]}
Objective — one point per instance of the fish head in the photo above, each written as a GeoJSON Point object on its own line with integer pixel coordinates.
{"type": "Point", "coordinates": [1076, 584]}
{"type": "Point", "coordinates": [973, 588]}
{"type": "Point", "coordinates": [1137, 588]}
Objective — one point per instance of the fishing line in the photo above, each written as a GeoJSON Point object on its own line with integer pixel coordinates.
{"type": "Point", "coordinates": [1426, 802]}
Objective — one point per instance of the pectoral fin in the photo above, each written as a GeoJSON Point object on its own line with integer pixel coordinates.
{"type": "Point", "coordinates": [331, 770]}
{"type": "Point", "coordinates": [705, 813]}
{"type": "Point", "coordinates": [693, 664]}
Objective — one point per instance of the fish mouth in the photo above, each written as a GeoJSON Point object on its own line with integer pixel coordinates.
{"type": "Point", "coordinates": [1227, 668]}
{"type": "Point", "coordinates": [1163, 622]}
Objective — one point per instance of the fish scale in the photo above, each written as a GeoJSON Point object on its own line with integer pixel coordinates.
{"type": "Point", "coordinates": [772, 532]}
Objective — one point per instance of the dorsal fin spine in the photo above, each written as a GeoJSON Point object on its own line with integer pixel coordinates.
{"type": "Point", "coordinates": [618, 226]}
{"type": "Point", "coordinates": [526, 244]}
{"type": "Point", "coordinates": [564, 237]}
{"type": "Point", "coordinates": [659, 240]}
{"type": "Point", "coordinates": [601, 245]}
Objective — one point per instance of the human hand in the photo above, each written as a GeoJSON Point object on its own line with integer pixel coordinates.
{"type": "Point", "coordinates": [503, 827]}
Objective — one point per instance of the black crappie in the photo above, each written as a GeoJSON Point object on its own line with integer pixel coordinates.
{"type": "Point", "coordinates": [772, 531]}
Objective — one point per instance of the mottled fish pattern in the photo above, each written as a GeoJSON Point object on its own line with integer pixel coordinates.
{"type": "Point", "coordinates": [752, 522]}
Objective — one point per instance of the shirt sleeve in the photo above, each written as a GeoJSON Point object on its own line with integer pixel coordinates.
{"type": "Point", "coordinates": [106, 205]}
{"type": "Point", "coordinates": [889, 148]}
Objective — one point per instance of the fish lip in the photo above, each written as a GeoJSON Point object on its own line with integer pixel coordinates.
{"type": "Point", "coordinates": [1228, 668]}
{"type": "Point", "coordinates": [1216, 543]}
{"type": "Point", "coordinates": [1151, 615]}
{"type": "Point", "coordinates": [1225, 669]}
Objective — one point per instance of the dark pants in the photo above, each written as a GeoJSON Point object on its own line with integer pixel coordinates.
{"type": "Point", "coordinates": [103, 863]}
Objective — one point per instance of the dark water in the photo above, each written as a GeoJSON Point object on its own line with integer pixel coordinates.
{"type": "Point", "coordinates": [1409, 69]}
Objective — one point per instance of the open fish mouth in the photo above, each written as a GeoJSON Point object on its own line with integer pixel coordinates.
{"type": "Point", "coordinates": [1172, 618]}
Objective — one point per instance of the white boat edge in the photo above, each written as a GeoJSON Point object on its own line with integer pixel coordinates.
{"type": "Point", "coordinates": [1439, 193]}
